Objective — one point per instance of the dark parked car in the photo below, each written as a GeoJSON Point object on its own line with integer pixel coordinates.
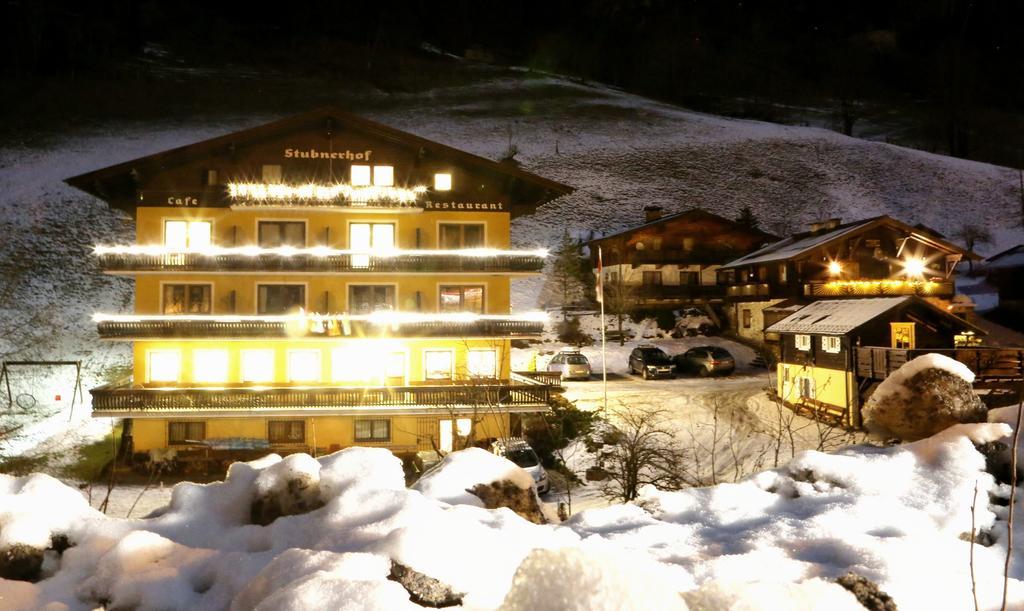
{"type": "Point", "coordinates": [650, 362]}
{"type": "Point", "coordinates": [705, 361]}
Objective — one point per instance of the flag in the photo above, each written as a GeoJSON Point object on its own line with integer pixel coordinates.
{"type": "Point", "coordinates": [600, 277]}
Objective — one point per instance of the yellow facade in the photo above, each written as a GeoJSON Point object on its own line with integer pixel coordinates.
{"type": "Point", "coordinates": [818, 387]}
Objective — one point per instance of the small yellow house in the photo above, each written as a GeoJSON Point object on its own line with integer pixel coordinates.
{"type": "Point", "coordinates": [825, 346]}
{"type": "Point", "coordinates": [315, 283]}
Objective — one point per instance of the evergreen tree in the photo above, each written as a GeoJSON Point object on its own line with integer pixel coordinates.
{"type": "Point", "coordinates": [564, 285]}
{"type": "Point", "coordinates": [747, 218]}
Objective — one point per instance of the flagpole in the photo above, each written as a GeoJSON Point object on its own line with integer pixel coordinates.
{"type": "Point", "coordinates": [604, 351]}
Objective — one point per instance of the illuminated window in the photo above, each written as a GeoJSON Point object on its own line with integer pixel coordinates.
{"type": "Point", "coordinates": [271, 173]}
{"type": "Point", "coordinates": [282, 233]}
{"type": "Point", "coordinates": [210, 366]}
{"type": "Point", "coordinates": [803, 342]}
{"type": "Point", "coordinates": [449, 431]}
{"type": "Point", "coordinates": [279, 298]}
{"type": "Point", "coordinates": [187, 298]}
{"type": "Point", "coordinates": [257, 365]}
{"type": "Point", "coordinates": [395, 366]}
{"type": "Point", "coordinates": [383, 176]}
{"type": "Point", "coordinates": [286, 431]}
{"type": "Point", "coordinates": [373, 430]}
{"type": "Point", "coordinates": [442, 182]}
{"type": "Point", "coordinates": [831, 343]}
{"type": "Point", "coordinates": [482, 363]}
{"type": "Point", "coordinates": [463, 427]}
{"type": "Point", "coordinates": [360, 176]}
{"type": "Point", "coordinates": [353, 364]}
{"type": "Point", "coordinates": [452, 236]}
{"type": "Point", "coordinates": [187, 235]}
{"type": "Point", "coordinates": [303, 365]}
{"type": "Point", "coordinates": [184, 432]}
{"type": "Point", "coordinates": [370, 236]}
{"type": "Point", "coordinates": [437, 364]}
{"type": "Point", "coordinates": [462, 299]}
{"type": "Point", "coordinates": [164, 366]}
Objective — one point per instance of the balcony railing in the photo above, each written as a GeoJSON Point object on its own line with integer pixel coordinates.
{"type": "Point", "coordinates": [879, 288]}
{"type": "Point", "coordinates": [668, 292]}
{"type": "Point", "coordinates": [127, 400]}
{"type": "Point", "coordinates": [188, 328]}
{"type": "Point", "coordinates": [115, 262]}
{"type": "Point", "coordinates": [748, 290]}
{"type": "Point", "coordinates": [986, 363]}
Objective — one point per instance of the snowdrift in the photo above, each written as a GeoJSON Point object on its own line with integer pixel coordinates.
{"type": "Point", "coordinates": [897, 516]}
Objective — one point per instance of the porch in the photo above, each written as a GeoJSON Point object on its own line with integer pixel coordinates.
{"type": "Point", "coordinates": [988, 364]}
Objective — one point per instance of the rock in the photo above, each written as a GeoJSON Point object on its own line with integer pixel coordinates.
{"type": "Point", "coordinates": [505, 493]}
{"type": "Point", "coordinates": [21, 562]}
{"type": "Point", "coordinates": [300, 495]}
{"type": "Point", "coordinates": [596, 474]}
{"type": "Point", "coordinates": [424, 590]}
{"type": "Point", "coordinates": [867, 592]}
{"type": "Point", "coordinates": [929, 401]}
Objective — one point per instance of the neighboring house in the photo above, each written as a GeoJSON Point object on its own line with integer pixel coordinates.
{"type": "Point", "coordinates": [674, 259]}
{"type": "Point", "coordinates": [832, 350]}
{"type": "Point", "coordinates": [241, 237]}
{"type": "Point", "coordinates": [1005, 271]}
{"type": "Point", "coordinates": [874, 257]}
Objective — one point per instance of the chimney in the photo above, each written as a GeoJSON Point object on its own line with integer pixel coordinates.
{"type": "Point", "coordinates": [832, 223]}
{"type": "Point", "coordinates": [827, 225]}
{"type": "Point", "coordinates": [652, 213]}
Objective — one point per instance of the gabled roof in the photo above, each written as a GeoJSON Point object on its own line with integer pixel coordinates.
{"type": "Point", "coordinates": [691, 212]}
{"type": "Point", "coordinates": [841, 316]}
{"type": "Point", "coordinates": [92, 182]}
{"type": "Point", "coordinates": [803, 243]}
{"type": "Point", "coordinates": [1013, 257]}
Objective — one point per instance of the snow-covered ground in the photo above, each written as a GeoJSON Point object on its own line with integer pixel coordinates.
{"type": "Point", "coordinates": [899, 516]}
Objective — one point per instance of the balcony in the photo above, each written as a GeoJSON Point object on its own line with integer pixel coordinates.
{"type": "Point", "coordinates": [313, 326]}
{"type": "Point", "coordinates": [129, 260]}
{"type": "Point", "coordinates": [679, 292]}
{"type": "Point", "coordinates": [132, 401]}
{"type": "Point", "coordinates": [878, 288]}
{"type": "Point", "coordinates": [752, 291]}
{"type": "Point", "coordinates": [1000, 364]}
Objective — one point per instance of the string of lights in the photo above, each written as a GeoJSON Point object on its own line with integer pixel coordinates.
{"type": "Point", "coordinates": [323, 192]}
{"type": "Point", "coordinates": [315, 251]}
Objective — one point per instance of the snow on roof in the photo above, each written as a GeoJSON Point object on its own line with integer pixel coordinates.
{"type": "Point", "coordinates": [1013, 257]}
{"type": "Point", "coordinates": [796, 245]}
{"type": "Point", "coordinates": [835, 317]}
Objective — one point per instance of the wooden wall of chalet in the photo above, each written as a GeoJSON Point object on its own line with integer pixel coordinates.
{"type": "Point", "coordinates": [815, 357]}
{"type": "Point", "coordinates": [931, 331]}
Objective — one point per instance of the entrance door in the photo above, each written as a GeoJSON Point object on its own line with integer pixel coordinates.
{"type": "Point", "coordinates": [902, 335]}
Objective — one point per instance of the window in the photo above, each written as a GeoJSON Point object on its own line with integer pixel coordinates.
{"type": "Point", "coordinates": [689, 278]}
{"type": "Point", "coordinates": [442, 182]}
{"type": "Point", "coordinates": [286, 431]}
{"type": "Point", "coordinates": [184, 432]}
{"type": "Point", "coordinates": [782, 273]}
{"type": "Point", "coordinates": [482, 363]}
{"type": "Point", "coordinates": [303, 365]}
{"type": "Point", "coordinates": [462, 429]}
{"type": "Point", "coordinates": [452, 236]}
{"type": "Point", "coordinates": [373, 430]}
{"type": "Point", "coordinates": [807, 389]}
{"type": "Point", "coordinates": [383, 176]}
{"type": "Point", "coordinates": [187, 235]}
{"type": "Point", "coordinates": [360, 176]}
{"type": "Point", "coordinates": [462, 299]}
{"type": "Point", "coordinates": [394, 367]}
{"type": "Point", "coordinates": [687, 244]}
{"type": "Point", "coordinates": [903, 335]}
{"type": "Point", "coordinates": [747, 318]}
{"type": "Point", "coordinates": [830, 343]}
{"type": "Point", "coordinates": [356, 364]}
{"type": "Point", "coordinates": [210, 177]}
{"type": "Point", "coordinates": [187, 298]}
{"type": "Point", "coordinates": [366, 298]}
{"type": "Point", "coordinates": [280, 298]}
{"type": "Point", "coordinates": [370, 236]}
{"type": "Point", "coordinates": [803, 342]}
{"type": "Point", "coordinates": [652, 279]}
{"type": "Point", "coordinates": [164, 366]}
{"type": "Point", "coordinates": [273, 234]}
{"type": "Point", "coordinates": [257, 365]}
{"type": "Point", "coordinates": [210, 366]}
{"type": "Point", "coordinates": [437, 364]}
{"type": "Point", "coordinates": [271, 173]}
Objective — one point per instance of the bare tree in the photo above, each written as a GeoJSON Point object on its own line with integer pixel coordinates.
{"type": "Point", "coordinates": [971, 235]}
{"type": "Point", "coordinates": [640, 449]}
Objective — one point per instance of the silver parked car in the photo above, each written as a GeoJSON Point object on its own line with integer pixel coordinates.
{"type": "Point", "coordinates": [705, 361]}
{"type": "Point", "coordinates": [518, 451]}
{"type": "Point", "coordinates": [572, 366]}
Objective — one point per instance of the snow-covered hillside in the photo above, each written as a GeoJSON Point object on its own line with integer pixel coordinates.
{"type": "Point", "coordinates": [900, 517]}
{"type": "Point", "coordinates": [620, 151]}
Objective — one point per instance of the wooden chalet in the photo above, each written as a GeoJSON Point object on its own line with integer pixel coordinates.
{"type": "Point", "coordinates": [674, 259]}
{"type": "Point", "coordinates": [875, 257]}
{"type": "Point", "coordinates": [832, 352]}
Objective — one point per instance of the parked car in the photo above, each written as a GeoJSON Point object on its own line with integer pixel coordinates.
{"type": "Point", "coordinates": [571, 364]}
{"type": "Point", "coordinates": [705, 361]}
{"type": "Point", "coordinates": [518, 451]}
{"type": "Point", "coordinates": [650, 362]}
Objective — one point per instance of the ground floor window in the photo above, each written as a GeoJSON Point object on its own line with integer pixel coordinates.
{"type": "Point", "coordinates": [373, 430]}
{"type": "Point", "coordinates": [184, 432]}
{"type": "Point", "coordinates": [286, 431]}
{"type": "Point", "coordinates": [747, 318]}
{"type": "Point", "coordinates": [482, 363]}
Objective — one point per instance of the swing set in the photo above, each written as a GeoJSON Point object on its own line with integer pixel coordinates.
{"type": "Point", "coordinates": [26, 401]}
